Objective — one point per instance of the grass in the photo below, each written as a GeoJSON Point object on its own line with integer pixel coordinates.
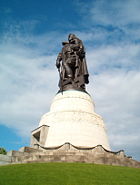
{"type": "Point", "coordinates": [68, 174]}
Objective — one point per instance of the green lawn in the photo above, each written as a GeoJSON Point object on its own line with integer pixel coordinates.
{"type": "Point", "coordinates": [68, 174]}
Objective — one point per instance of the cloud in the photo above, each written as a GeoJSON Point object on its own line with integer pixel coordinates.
{"type": "Point", "coordinates": [42, 44]}
{"type": "Point", "coordinates": [111, 22]}
{"type": "Point", "coordinates": [114, 57]}
{"type": "Point", "coordinates": [25, 78]}
{"type": "Point", "coordinates": [106, 12]}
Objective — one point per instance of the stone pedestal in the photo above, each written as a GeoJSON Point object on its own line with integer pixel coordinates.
{"type": "Point", "coordinates": [71, 119]}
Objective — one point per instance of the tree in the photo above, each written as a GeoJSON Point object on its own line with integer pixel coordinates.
{"type": "Point", "coordinates": [3, 151]}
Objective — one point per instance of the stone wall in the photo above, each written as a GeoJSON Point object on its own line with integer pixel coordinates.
{"type": "Point", "coordinates": [5, 159]}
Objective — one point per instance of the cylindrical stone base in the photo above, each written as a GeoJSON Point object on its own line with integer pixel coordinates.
{"type": "Point", "coordinates": [72, 119]}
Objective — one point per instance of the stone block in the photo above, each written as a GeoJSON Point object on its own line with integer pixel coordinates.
{"type": "Point", "coordinates": [5, 159]}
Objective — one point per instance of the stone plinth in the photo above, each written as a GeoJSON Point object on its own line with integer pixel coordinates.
{"type": "Point", "coordinates": [72, 119]}
{"type": "Point", "coordinates": [71, 153]}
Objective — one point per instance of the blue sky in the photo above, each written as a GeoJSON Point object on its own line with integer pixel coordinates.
{"type": "Point", "coordinates": [31, 33]}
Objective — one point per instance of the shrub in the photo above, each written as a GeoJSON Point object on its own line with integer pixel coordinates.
{"type": "Point", "coordinates": [3, 151]}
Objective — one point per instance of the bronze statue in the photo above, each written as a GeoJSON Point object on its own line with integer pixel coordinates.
{"type": "Point", "coordinates": [71, 64]}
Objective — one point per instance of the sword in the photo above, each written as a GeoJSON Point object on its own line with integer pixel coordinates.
{"type": "Point", "coordinates": [61, 81]}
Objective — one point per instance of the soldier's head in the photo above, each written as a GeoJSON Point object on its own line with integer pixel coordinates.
{"type": "Point", "coordinates": [71, 37]}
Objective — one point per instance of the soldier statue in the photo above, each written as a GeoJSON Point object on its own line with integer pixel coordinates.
{"type": "Point", "coordinates": [71, 64]}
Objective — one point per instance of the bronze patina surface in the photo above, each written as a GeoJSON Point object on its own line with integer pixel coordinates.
{"type": "Point", "coordinates": [71, 64]}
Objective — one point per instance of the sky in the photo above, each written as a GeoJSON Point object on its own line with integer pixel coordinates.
{"type": "Point", "coordinates": [31, 33]}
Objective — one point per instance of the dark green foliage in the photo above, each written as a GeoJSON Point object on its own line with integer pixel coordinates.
{"type": "Point", "coordinates": [3, 151]}
{"type": "Point", "coordinates": [68, 174]}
